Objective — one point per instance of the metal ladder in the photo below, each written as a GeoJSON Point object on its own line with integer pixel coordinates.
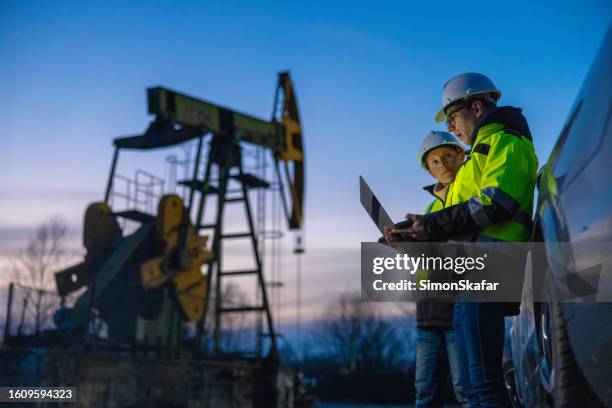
{"type": "Point", "coordinates": [226, 159]}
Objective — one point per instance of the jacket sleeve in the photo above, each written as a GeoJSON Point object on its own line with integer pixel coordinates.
{"type": "Point", "coordinates": [505, 178]}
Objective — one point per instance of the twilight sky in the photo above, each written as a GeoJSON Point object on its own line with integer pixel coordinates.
{"type": "Point", "coordinates": [368, 78]}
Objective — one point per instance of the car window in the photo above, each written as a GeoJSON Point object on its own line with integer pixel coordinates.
{"type": "Point", "coordinates": [558, 148]}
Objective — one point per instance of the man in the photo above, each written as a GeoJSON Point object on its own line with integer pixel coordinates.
{"type": "Point", "coordinates": [441, 154]}
{"type": "Point", "coordinates": [491, 200]}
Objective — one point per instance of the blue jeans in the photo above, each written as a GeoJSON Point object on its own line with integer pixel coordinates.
{"type": "Point", "coordinates": [479, 338]}
{"type": "Point", "coordinates": [433, 347]}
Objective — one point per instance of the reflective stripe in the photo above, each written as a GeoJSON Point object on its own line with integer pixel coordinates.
{"type": "Point", "coordinates": [481, 148]}
{"type": "Point", "coordinates": [502, 198]}
{"type": "Point", "coordinates": [521, 217]}
{"type": "Point", "coordinates": [508, 248]}
{"type": "Point", "coordinates": [478, 213]}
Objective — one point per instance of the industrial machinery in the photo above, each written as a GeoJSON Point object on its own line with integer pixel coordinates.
{"type": "Point", "coordinates": [151, 283]}
{"type": "Point", "coordinates": [142, 285]}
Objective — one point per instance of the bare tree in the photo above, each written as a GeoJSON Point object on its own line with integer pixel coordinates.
{"type": "Point", "coordinates": [234, 326]}
{"type": "Point", "coordinates": [234, 333]}
{"type": "Point", "coordinates": [34, 267]}
{"type": "Point", "coordinates": [358, 337]}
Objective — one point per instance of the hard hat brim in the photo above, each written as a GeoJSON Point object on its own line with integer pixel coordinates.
{"type": "Point", "coordinates": [441, 115]}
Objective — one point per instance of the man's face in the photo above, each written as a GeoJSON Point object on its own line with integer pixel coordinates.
{"type": "Point", "coordinates": [443, 163]}
{"type": "Point", "coordinates": [461, 121]}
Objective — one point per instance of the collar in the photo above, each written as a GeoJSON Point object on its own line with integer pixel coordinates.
{"type": "Point", "coordinates": [438, 191]}
{"type": "Point", "coordinates": [499, 118]}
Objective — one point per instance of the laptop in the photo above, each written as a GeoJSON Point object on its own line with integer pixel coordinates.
{"type": "Point", "coordinates": [377, 212]}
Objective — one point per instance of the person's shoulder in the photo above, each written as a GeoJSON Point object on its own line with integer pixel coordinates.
{"type": "Point", "coordinates": [507, 136]}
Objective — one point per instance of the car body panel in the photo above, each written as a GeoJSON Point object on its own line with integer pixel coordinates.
{"type": "Point", "coordinates": [575, 206]}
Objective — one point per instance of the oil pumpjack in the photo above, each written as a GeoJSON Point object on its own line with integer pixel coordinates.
{"type": "Point", "coordinates": [146, 284]}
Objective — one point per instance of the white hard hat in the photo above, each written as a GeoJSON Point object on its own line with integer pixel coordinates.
{"type": "Point", "coordinates": [436, 139]}
{"type": "Point", "coordinates": [464, 86]}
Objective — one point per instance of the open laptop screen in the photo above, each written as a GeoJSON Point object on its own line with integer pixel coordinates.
{"type": "Point", "coordinates": [373, 207]}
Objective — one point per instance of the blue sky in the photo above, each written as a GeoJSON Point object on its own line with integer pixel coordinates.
{"type": "Point", "coordinates": [368, 77]}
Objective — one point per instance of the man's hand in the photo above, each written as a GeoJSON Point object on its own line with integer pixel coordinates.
{"type": "Point", "coordinates": [414, 231]}
{"type": "Point", "coordinates": [417, 230]}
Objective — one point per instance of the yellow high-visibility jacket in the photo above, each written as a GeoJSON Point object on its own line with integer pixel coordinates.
{"type": "Point", "coordinates": [492, 196]}
{"type": "Point", "coordinates": [438, 203]}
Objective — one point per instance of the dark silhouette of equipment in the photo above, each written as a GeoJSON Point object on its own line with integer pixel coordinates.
{"type": "Point", "coordinates": [143, 285]}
